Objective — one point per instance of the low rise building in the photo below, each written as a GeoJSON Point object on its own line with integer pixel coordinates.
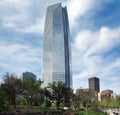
{"type": "Point", "coordinates": [105, 94]}
{"type": "Point", "coordinates": [86, 93]}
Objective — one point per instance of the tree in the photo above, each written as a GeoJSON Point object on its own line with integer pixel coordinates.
{"type": "Point", "coordinates": [11, 87]}
{"type": "Point", "coordinates": [118, 101]}
{"type": "Point", "coordinates": [86, 99]}
{"type": "Point", "coordinates": [76, 101]}
{"type": "Point", "coordinates": [58, 92]}
{"type": "Point", "coordinates": [31, 90]}
{"type": "Point", "coordinates": [83, 99]}
{"type": "Point", "coordinates": [4, 104]}
{"type": "Point", "coordinates": [68, 92]}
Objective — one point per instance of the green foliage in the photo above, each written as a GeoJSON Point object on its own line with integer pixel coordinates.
{"type": "Point", "coordinates": [94, 105]}
{"type": "Point", "coordinates": [58, 92]}
{"type": "Point", "coordinates": [117, 101]}
{"type": "Point", "coordinates": [20, 92]}
{"type": "Point", "coordinates": [110, 103]}
{"type": "Point", "coordinates": [21, 101]}
{"type": "Point", "coordinates": [11, 87]}
{"type": "Point", "coordinates": [83, 100]}
{"type": "Point", "coordinates": [53, 105]}
{"type": "Point", "coordinates": [47, 103]}
{"type": "Point", "coordinates": [45, 112]}
{"type": "Point", "coordinates": [62, 104]}
{"type": "Point", "coordinates": [31, 91]}
{"type": "Point", "coordinates": [4, 104]}
{"type": "Point", "coordinates": [91, 112]}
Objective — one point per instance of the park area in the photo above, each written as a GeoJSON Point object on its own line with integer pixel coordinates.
{"type": "Point", "coordinates": [27, 97]}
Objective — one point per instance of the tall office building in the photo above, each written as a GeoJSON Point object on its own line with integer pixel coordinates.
{"type": "Point", "coordinates": [56, 47]}
{"type": "Point", "coordinates": [94, 84]}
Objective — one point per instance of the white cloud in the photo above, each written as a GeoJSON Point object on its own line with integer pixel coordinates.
{"type": "Point", "coordinates": [19, 58]}
{"type": "Point", "coordinates": [38, 27]}
{"type": "Point", "coordinates": [21, 15]}
{"type": "Point", "coordinates": [25, 16]}
{"type": "Point", "coordinates": [17, 16]}
{"type": "Point", "coordinates": [84, 40]}
{"type": "Point", "coordinates": [14, 10]}
{"type": "Point", "coordinates": [106, 40]}
{"type": "Point", "coordinates": [28, 15]}
{"type": "Point", "coordinates": [78, 8]}
{"type": "Point", "coordinates": [97, 42]}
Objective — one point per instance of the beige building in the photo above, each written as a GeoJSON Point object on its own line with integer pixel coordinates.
{"type": "Point", "coordinates": [106, 94]}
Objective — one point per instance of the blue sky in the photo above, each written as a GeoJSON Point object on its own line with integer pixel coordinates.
{"type": "Point", "coordinates": [95, 39]}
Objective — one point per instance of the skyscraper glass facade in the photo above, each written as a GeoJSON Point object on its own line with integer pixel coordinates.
{"type": "Point", "coordinates": [56, 47]}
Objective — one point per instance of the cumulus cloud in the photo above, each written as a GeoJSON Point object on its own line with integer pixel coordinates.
{"type": "Point", "coordinates": [19, 16]}
{"type": "Point", "coordinates": [25, 16]}
{"type": "Point", "coordinates": [97, 42]}
{"type": "Point", "coordinates": [107, 39]}
{"type": "Point", "coordinates": [28, 16]}
{"type": "Point", "coordinates": [14, 10]}
{"type": "Point", "coordinates": [19, 58]}
{"type": "Point", "coordinates": [78, 8]}
{"type": "Point", "coordinates": [37, 27]}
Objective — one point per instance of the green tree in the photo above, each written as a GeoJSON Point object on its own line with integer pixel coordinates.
{"type": "Point", "coordinates": [32, 91]}
{"type": "Point", "coordinates": [117, 101]}
{"type": "Point", "coordinates": [76, 101]}
{"type": "Point", "coordinates": [84, 99]}
{"type": "Point", "coordinates": [4, 104]}
{"type": "Point", "coordinates": [11, 87]}
{"type": "Point", "coordinates": [58, 92]}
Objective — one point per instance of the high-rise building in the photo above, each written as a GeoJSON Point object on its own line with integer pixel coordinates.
{"type": "Point", "coordinates": [56, 47]}
{"type": "Point", "coordinates": [26, 75]}
{"type": "Point", "coordinates": [94, 84]}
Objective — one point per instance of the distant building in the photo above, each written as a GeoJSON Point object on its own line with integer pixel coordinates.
{"type": "Point", "coordinates": [26, 75]}
{"type": "Point", "coordinates": [86, 93]}
{"type": "Point", "coordinates": [105, 94]}
{"type": "Point", "coordinates": [81, 91]}
{"type": "Point", "coordinates": [94, 84]}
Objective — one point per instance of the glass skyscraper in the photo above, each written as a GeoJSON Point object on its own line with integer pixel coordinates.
{"type": "Point", "coordinates": [56, 47]}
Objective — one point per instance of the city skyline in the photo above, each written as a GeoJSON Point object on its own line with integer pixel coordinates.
{"type": "Point", "coordinates": [56, 65]}
{"type": "Point", "coordinates": [94, 29]}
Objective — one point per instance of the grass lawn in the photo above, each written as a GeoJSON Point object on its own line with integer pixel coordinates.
{"type": "Point", "coordinates": [38, 110]}
{"type": "Point", "coordinates": [91, 112]}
